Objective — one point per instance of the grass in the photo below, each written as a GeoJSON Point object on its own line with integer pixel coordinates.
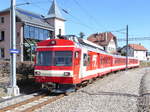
{"type": "Point", "coordinates": [144, 64]}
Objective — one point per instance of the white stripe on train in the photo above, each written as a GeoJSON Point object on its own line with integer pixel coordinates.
{"type": "Point", "coordinates": [60, 73]}
{"type": "Point", "coordinates": [92, 72]}
{"type": "Point", "coordinates": [54, 73]}
{"type": "Point", "coordinates": [54, 46]}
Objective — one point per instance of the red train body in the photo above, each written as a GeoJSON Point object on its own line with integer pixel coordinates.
{"type": "Point", "coordinates": [74, 60]}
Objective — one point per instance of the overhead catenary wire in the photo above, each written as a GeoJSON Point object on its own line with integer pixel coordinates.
{"type": "Point", "coordinates": [79, 22]}
{"type": "Point", "coordinates": [120, 31]}
{"type": "Point", "coordinates": [74, 18]}
{"type": "Point", "coordinates": [90, 16]}
{"type": "Point", "coordinates": [134, 39]}
{"type": "Point", "coordinates": [65, 11]}
{"type": "Point", "coordinates": [95, 21]}
{"type": "Point", "coordinates": [89, 27]}
{"type": "Point", "coordinates": [37, 2]}
{"type": "Point", "coordinates": [77, 19]}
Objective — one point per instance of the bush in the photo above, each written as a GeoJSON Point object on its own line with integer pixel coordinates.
{"type": "Point", "coordinates": [4, 68]}
{"type": "Point", "coordinates": [23, 68]}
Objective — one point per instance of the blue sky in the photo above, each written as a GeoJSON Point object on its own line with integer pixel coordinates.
{"type": "Point", "coordinates": [91, 16]}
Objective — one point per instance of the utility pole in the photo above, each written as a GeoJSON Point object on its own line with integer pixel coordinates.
{"type": "Point", "coordinates": [127, 47]}
{"type": "Point", "coordinates": [13, 90]}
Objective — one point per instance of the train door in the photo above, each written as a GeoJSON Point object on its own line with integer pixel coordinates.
{"type": "Point", "coordinates": [76, 65]}
{"type": "Point", "coordinates": [83, 64]}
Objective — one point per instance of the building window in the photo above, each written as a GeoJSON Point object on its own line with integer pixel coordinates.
{"type": "Point", "coordinates": [2, 53]}
{"type": "Point", "coordinates": [26, 31]}
{"type": "Point", "coordinates": [31, 32]}
{"type": "Point", "coordinates": [41, 34]}
{"type": "Point", "coordinates": [59, 31]}
{"type": "Point", "coordinates": [36, 33]}
{"type": "Point", "coordinates": [2, 20]}
{"type": "Point", "coordinates": [46, 34]}
{"type": "Point", "coordinates": [2, 35]}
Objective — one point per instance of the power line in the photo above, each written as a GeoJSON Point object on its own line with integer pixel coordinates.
{"type": "Point", "coordinates": [84, 10]}
{"type": "Point", "coordinates": [94, 20]}
{"type": "Point", "coordinates": [37, 2]}
{"type": "Point", "coordinates": [89, 27]}
{"type": "Point", "coordinates": [119, 31]}
{"type": "Point", "coordinates": [65, 11]}
{"type": "Point", "coordinates": [36, 5]}
{"type": "Point", "coordinates": [75, 18]}
{"type": "Point", "coordinates": [135, 39]}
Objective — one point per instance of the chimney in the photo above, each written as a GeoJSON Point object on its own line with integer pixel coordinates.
{"type": "Point", "coordinates": [106, 35]}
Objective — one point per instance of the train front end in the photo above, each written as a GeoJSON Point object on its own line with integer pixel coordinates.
{"type": "Point", "coordinates": [54, 66]}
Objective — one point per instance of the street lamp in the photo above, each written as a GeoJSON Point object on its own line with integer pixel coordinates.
{"type": "Point", "coordinates": [13, 90]}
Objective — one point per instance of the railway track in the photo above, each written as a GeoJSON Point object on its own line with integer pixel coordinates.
{"type": "Point", "coordinates": [40, 100]}
{"type": "Point", "coordinates": [35, 102]}
{"type": "Point", "coordinates": [32, 104]}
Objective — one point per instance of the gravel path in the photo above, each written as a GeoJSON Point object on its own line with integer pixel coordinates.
{"type": "Point", "coordinates": [120, 92]}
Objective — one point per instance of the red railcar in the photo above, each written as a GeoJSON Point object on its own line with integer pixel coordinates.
{"type": "Point", "coordinates": [67, 62]}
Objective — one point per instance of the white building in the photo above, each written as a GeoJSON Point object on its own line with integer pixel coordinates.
{"type": "Point", "coordinates": [106, 39]}
{"type": "Point", "coordinates": [55, 19]}
{"type": "Point", "coordinates": [135, 50]}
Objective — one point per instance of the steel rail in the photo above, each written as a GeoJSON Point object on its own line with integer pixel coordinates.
{"type": "Point", "coordinates": [11, 107]}
{"type": "Point", "coordinates": [35, 107]}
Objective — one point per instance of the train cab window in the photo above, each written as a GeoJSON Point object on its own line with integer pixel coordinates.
{"type": "Point", "coordinates": [57, 58]}
{"type": "Point", "coordinates": [76, 54]}
{"type": "Point", "coordinates": [44, 58]}
{"type": "Point", "coordinates": [63, 58]}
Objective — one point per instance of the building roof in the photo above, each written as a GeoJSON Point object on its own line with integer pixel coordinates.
{"type": "Point", "coordinates": [102, 39]}
{"type": "Point", "coordinates": [31, 18]}
{"type": "Point", "coordinates": [137, 47]}
{"type": "Point", "coordinates": [54, 11]}
{"type": "Point", "coordinates": [5, 10]}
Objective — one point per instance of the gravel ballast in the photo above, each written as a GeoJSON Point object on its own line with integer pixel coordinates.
{"type": "Point", "coordinates": [120, 92]}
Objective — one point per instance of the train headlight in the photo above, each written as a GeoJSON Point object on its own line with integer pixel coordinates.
{"type": "Point", "coordinates": [37, 73]}
{"type": "Point", "coordinates": [53, 42]}
{"type": "Point", "coordinates": [66, 73]}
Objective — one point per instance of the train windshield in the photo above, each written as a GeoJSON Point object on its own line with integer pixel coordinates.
{"type": "Point", "coordinates": [44, 58]}
{"type": "Point", "coordinates": [57, 58]}
{"type": "Point", "coordinates": [63, 58]}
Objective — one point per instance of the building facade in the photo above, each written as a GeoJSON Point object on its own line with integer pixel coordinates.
{"type": "Point", "coordinates": [107, 40]}
{"type": "Point", "coordinates": [135, 50]}
{"type": "Point", "coordinates": [148, 56]}
{"type": "Point", "coordinates": [30, 28]}
{"type": "Point", "coordinates": [55, 19]}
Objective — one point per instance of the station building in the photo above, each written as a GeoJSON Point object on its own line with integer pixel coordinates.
{"type": "Point", "coordinates": [30, 29]}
